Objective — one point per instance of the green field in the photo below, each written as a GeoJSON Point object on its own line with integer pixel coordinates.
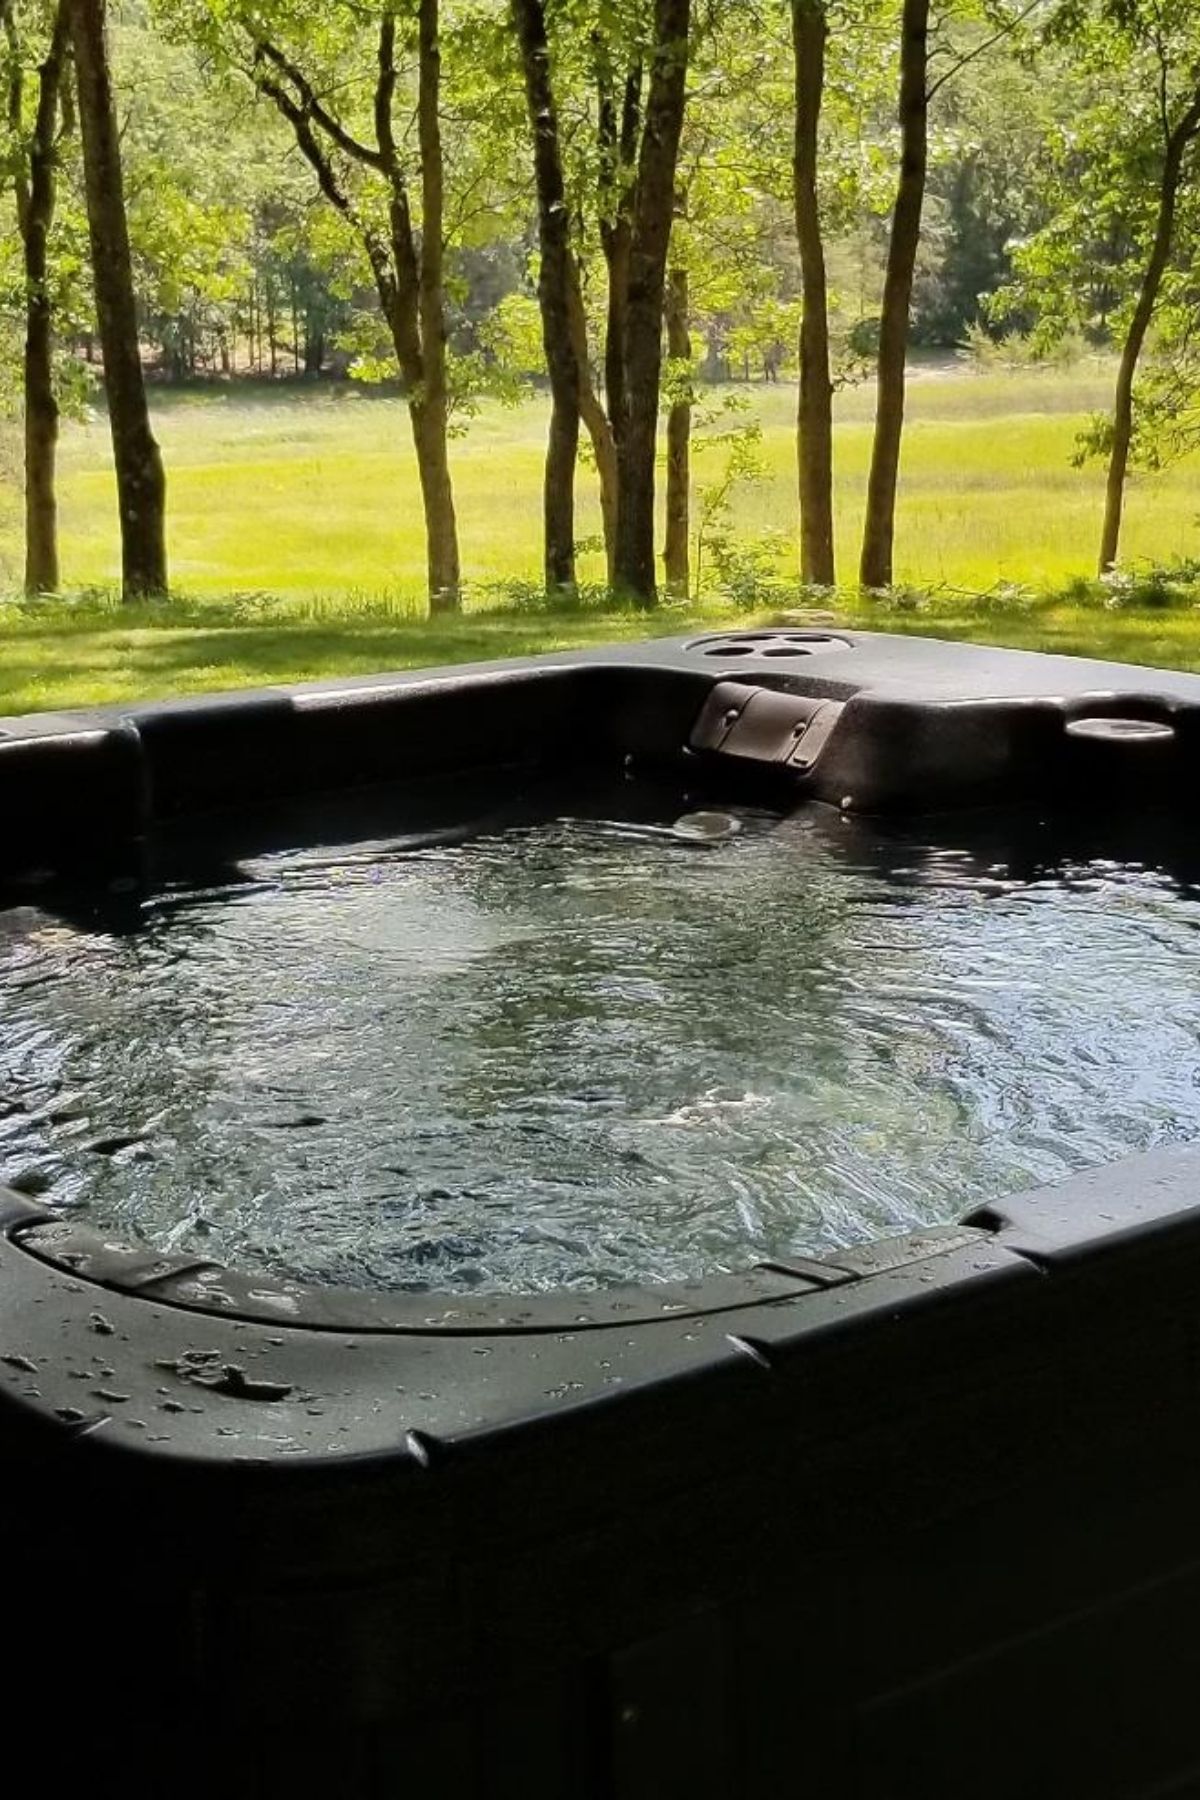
{"type": "Point", "coordinates": [295, 534]}
{"type": "Point", "coordinates": [314, 493]}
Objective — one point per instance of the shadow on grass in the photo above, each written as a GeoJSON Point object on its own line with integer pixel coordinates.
{"type": "Point", "coordinates": [64, 654]}
{"type": "Point", "coordinates": [1146, 638]}
{"type": "Point", "coordinates": [77, 657]}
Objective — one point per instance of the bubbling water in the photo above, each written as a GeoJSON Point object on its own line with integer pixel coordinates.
{"type": "Point", "coordinates": [593, 1050]}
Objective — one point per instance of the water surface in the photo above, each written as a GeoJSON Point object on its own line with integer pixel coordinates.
{"type": "Point", "coordinates": [588, 1051]}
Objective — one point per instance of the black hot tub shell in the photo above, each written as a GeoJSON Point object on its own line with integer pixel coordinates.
{"type": "Point", "coordinates": [921, 1520]}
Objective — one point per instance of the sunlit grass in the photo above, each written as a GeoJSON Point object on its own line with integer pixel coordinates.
{"type": "Point", "coordinates": [314, 491]}
{"type": "Point", "coordinates": [67, 654]}
{"type": "Point", "coordinates": [296, 536]}
{"type": "Point", "coordinates": [61, 655]}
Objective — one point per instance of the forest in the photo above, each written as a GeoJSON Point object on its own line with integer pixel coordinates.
{"type": "Point", "coordinates": [652, 218]}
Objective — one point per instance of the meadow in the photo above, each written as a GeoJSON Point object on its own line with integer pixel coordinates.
{"type": "Point", "coordinates": [296, 546]}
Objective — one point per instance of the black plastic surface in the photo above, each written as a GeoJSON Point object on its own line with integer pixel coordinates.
{"type": "Point", "coordinates": [916, 1521]}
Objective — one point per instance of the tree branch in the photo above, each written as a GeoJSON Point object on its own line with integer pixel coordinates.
{"type": "Point", "coordinates": [385, 89]}
{"type": "Point", "coordinates": [310, 104]}
{"type": "Point", "coordinates": [330, 186]}
{"type": "Point", "coordinates": [1005, 30]}
{"type": "Point", "coordinates": [15, 102]}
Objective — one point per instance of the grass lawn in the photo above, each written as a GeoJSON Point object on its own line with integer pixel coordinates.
{"type": "Point", "coordinates": [64, 655]}
{"type": "Point", "coordinates": [295, 537]}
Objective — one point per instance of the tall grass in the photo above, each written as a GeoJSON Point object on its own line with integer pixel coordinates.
{"type": "Point", "coordinates": [297, 548]}
{"type": "Point", "coordinates": [313, 493]}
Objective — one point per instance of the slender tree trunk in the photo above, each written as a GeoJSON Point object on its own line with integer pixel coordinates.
{"type": "Point", "coordinates": [431, 413]}
{"type": "Point", "coordinates": [597, 424]}
{"type": "Point", "coordinates": [617, 313]}
{"type": "Point", "coordinates": [618, 153]}
{"type": "Point", "coordinates": [679, 442]}
{"type": "Point", "coordinates": [880, 526]}
{"type": "Point", "coordinates": [272, 331]}
{"type": "Point", "coordinates": [35, 207]}
{"type": "Point", "coordinates": [1122, 438]}
{"type": "Point", "coordinates": [429, 421]}
{"type": "Point", "coordinates": [141, 484]}
{"type": "Point", "coordinates": [558, 497]}
{"type": "Point", "coordinates": [554, 285]}
{"type": "Point", "coordinates": [814, 416]}
{"type": "Point", "coordinates": [653, 214]}
{"type": "Point", "coordinates": [437, 498]}
{"type": "Point", "coordinates": [604, 449]}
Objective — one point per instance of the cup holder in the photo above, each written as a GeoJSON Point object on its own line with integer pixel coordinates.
{"type": "Point", "coordinates": [774, 645]}
{"type": "Point", "coordinates": [1108, 729]}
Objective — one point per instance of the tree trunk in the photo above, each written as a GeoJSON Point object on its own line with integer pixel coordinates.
{"type": "Point", "coordinates": [35, 206]}
{"type": "Point", "coordinates": [604, 449]}
{"type": "Point", "coordinates": [596, 421]}
{"type": "Point", "coordinates": [141, 485]}
{"type": "Point", "coordinates": [437, 497]}
{"type": "Point", "coordinates": [618, 151]}
{"type": "Point", "coordinates": [679, 442]}
{"type": "Point", "coordinates": [880, 526]}
{"type": "Point", "coordinates": [1139, 324]}
{"type": "Point", "coordinates": [272, 330]}
{"type": "Point", "coordinates": [642, 364]}
{"type": "Point", "coordinates": [430, 415]}
{"type": "Point", "coordinates": [554, 296]}
{"type": "Point", "coordinates": [814, 415]}
{"type": "Point", "coordinates": [558, 499]}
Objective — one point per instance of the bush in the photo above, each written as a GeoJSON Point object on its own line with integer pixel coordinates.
{"type": "Point", "coordinates": [533, 597]}
{"type": "Point", "coordinates": [862, 339]}
{"type": "Point", "coordinates": [1017, 350]}
{"type": "Point", "coordinates": [1154, 587]}
{"type": "Point", "coordinates": [897, 599]}
{"type": "Point", "coordinates": [746, 570]}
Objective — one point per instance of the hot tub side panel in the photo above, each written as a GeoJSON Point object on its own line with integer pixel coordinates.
{"type": "Point", "coordinates": [937, 1516]}
{"type": "Point", "coordinates": [889, 724]}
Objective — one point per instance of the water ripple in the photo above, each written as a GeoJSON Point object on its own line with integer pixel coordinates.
{"type": "Point", "coordinates": [591, 1051]}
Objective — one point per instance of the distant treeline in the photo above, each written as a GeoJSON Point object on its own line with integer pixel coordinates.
{"type": "Point", "coordinates": [616, 200]}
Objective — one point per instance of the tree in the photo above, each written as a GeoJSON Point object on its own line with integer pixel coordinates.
{"type": "Point", "coordinates": [619, 69]}
{"type": "Point", "coordinates": [303, 64]}
{"type": "Point", "coordinates": [879, 528]}
{"type": "Point", "coordinates": [814, 421]}
{"type": "Point", "coordinates": [917, 90]}
{"type": "Point", "coordinates": [623, 198]}
{"type": "Point", "coordinates": [1179, 136]}
{"type": "Point", "coordinates": [1168, 33]}
{"type": "Point", "coordinates": [35, 145]}
{"type": "Point", "coordinates": [141, 482]}
{"type": "Point", "coordinates": [1115, 256]}
{"type": "Point", "coordinates": [558, 297]}
{"type": "Point", "coordinates": [650, 236]}
{"type": "Point", "coordinates": [676, 559]}
{"type": "Point", "coordinates": [729, 275]}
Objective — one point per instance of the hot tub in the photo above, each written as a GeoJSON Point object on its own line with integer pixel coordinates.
{"type": "Point", "coordinates": [909, 1515]}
